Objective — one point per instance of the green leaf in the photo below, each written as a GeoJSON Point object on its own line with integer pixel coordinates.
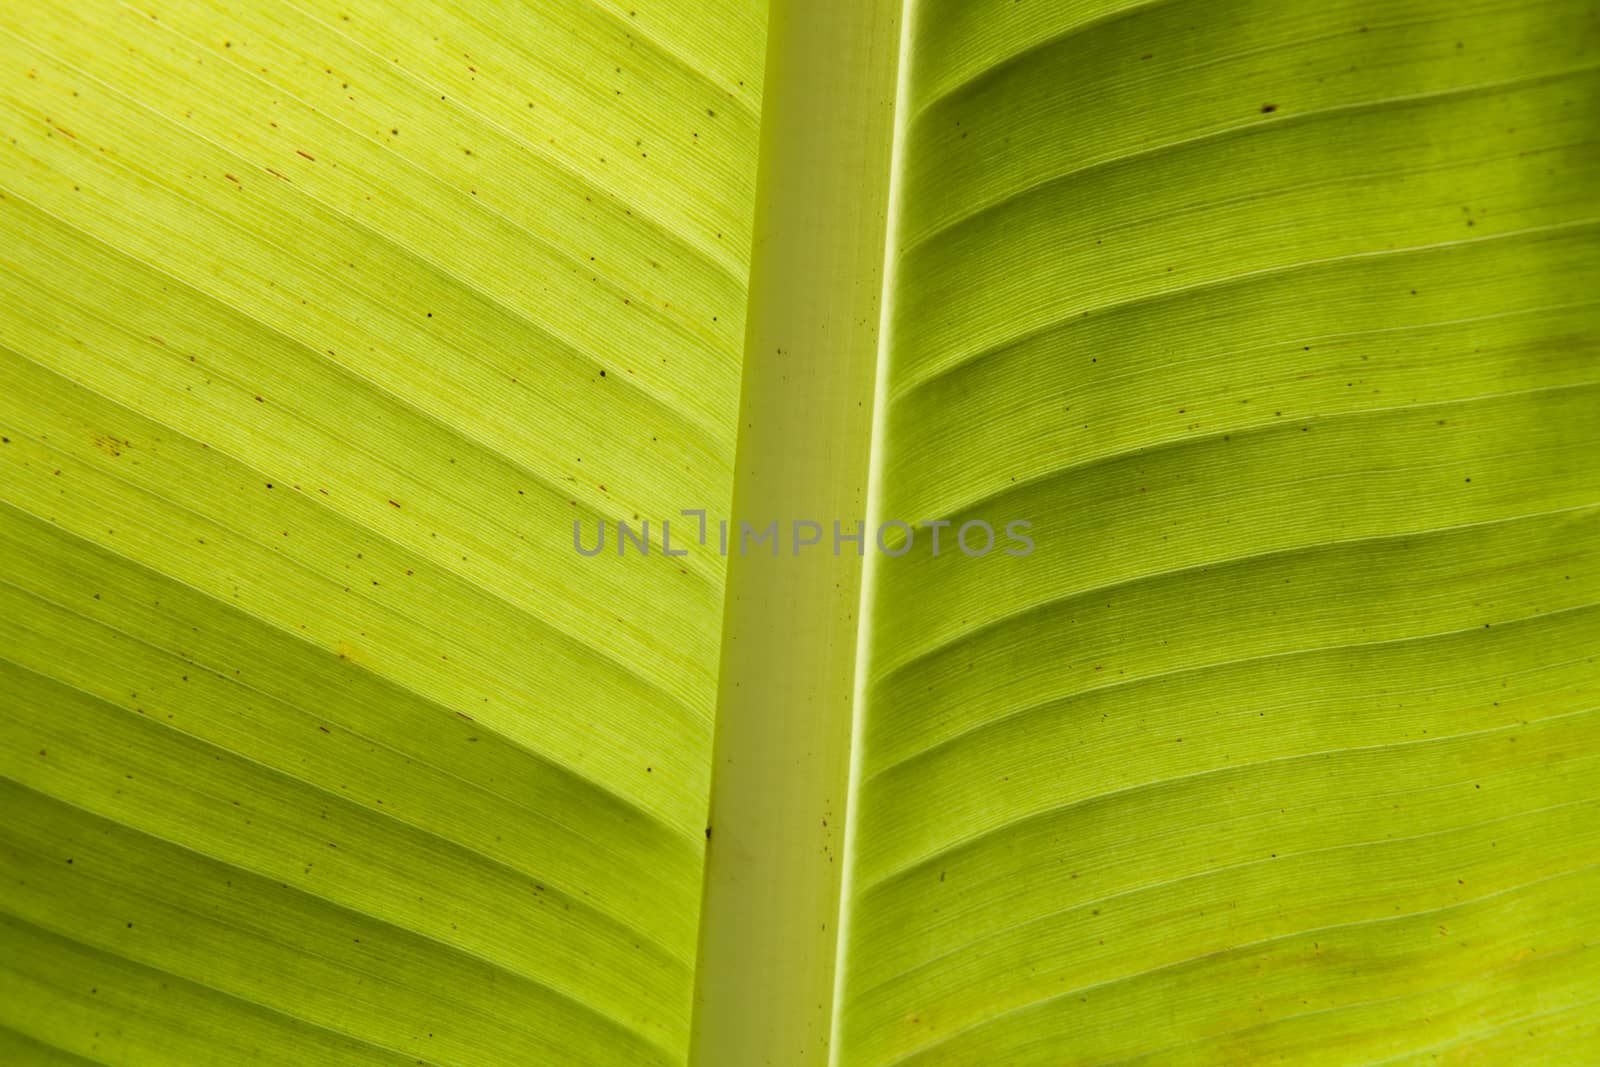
{"type": "Point", "coordinates": [1280, 327]}
{"type": "Point", "coordinates": [321, 327]}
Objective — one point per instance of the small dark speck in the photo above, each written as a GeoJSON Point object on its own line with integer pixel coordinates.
{"type": "Point", "coordinates": [1267, 109]}
{"type": "Point", "coordinates": [708, 837]}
